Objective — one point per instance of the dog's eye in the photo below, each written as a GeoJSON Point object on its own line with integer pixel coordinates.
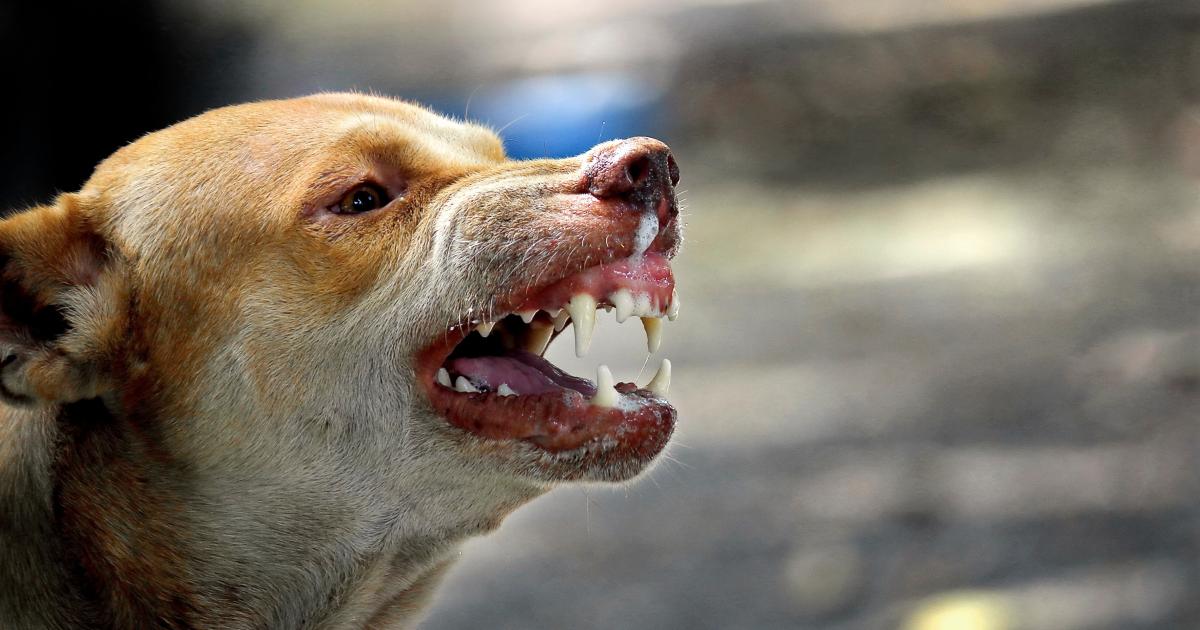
{"type": "Point", "coordinates": [362, 198]}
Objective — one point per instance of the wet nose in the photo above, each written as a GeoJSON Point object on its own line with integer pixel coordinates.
{"type": "Point", "coordinates": [641, 170]}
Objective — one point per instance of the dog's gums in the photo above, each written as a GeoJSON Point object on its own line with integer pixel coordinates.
{"type": "Point", "coordinates": [492, 380]}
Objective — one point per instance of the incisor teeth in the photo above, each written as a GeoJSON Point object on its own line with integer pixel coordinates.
{"type": "Point", "coordinates": [623, 301]}
{"type": "Point", "coordinates": [443, 378]}
{"type": "Point", "coordinates": [539, 338]}
{"type": "Point", "coordinates": [583, 317]}
{"type": "Point", "coordinates": [485, 328]}
{"type": "Point", "coordinates": [662, 380]}
{"type": "Point", "coordinates": [673, 308]}
{"type": "Point", "coordinates": [606, 393]}
{"type": "Point", "coordinates": [641, 304]}
{"type": "Point", "coordinates": [463, 385]}
{"type": "Point", "coordinates": [505, 390]}
{"type": "Point", "coordinates": [560, 319]}
{"type": "Point", "coordinates": [527, 316]}
{"type": "Point", "coordinates": [653, 326]}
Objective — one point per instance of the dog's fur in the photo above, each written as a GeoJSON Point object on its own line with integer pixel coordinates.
{"type": "Point", "coordinates": [212, 419]}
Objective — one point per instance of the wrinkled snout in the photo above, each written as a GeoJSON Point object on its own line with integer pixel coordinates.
{"type": "Point", "coordinates": [639, 171]}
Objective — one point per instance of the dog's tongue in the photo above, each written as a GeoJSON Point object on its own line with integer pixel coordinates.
{"type": "Point", "coordinates": [524, 372]}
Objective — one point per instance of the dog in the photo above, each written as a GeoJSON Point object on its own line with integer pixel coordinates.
{"type": "Point", "coordinates": [271, 365]}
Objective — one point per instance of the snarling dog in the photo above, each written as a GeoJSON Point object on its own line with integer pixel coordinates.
{"type": "Point", "coordinates": [271, 365]}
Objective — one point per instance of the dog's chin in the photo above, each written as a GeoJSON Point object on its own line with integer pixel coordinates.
{"type": "Point", "coordinates": [489, 379]}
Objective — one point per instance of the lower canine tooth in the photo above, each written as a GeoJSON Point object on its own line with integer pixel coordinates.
{"type": "Point", "coordinates": [443, 378]}
{"type": "Point", "coordinates": [539, 337]}
{"type": "Point", "coordinates": [623, 301]}
{"type": "Point", "coordinates": [653, 326]}
{"type": "Point", "coordinates": [505, 390]}
{"type": "Point", "coordinates": [661, 381]}
{"type": "Point", "coordinates": [583, 317]}
{"type": "Point", "coordinates": [485, 328]}
{"type": "Point", "coordinates": [463, 385]}
{"type": "Point", "coordinates": [606, 393]}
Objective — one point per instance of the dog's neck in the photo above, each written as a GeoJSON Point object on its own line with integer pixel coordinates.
{"type": "Point", "coordinates": [121, 532]}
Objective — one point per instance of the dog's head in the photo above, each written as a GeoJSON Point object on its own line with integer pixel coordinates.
{"type": "Point", "coordinates": [349, 288]}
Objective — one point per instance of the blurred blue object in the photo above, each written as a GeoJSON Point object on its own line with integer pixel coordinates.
{"type": "Point", "coordinates": [564, 115]}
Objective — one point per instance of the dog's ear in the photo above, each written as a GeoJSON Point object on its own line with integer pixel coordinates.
{"type": "Point", "coordinates": [63, 306]}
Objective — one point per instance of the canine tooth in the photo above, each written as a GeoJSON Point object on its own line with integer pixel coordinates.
{"type": "Point", "coordinates": [653, 326]}
{"type": "Point", "coordinates": [673, 308]}
{"type": "Point", "coordinates": [606, 393]}
{"type": "Point", "coordinates": [583, 317]}
{"type": "Point", "coordinates": [443, 378]}
{"type": "Point", "coordinates": [539, 338]}
{"type": "Point", "coordinates": [662, 380]}
{"type": "Point", "coordinates": [485, 328]}
{"type": "Point", "coordinates": [465, 386]}
{"type": "Point", "coordinates": [505, 390]}
{"type": "Point", "coordinates": [527, 316]}
{"type": "Point", "coordinates": [623, 300]}
{"type": "Point", "coordinates": [560, 319]}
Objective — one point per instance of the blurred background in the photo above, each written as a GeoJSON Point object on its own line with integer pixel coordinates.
{"type": "Point", "coordinates": [938, 362]}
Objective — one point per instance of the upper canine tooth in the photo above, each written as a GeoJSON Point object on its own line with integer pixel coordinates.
{"type": "Point", "coordinates": [673, 309]}
{"type": "Point", "coordinates": [623, 301]}
{"type": "Point", "coordinates": [443, 378]}
{"type": "Point", "coordinates": [583, 317]}
{"type": "Point", "coordinates": [461, 384]}
{"type": "Point", "coordinates": [653, 326]}
{"type": "Point", "coordinates": [505, 390]}
{"type": "Point", "coordinates": [539, 337]}
{"type": "Point", "coordinates": [485, 328]}
{"type": "Point", "coordinates": [606, 393]}
{"type": "Point", "coordinates": [527, 316]}
{"type": "Point", "coordinates": [662, 380]}
{"type": "Point", "coordinates": [560, 319]}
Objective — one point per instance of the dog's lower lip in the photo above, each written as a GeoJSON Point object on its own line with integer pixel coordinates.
{"type": "Point", "coordinates": [544, 406]}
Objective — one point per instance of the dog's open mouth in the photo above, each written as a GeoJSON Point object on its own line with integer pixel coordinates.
{"type": "Point", "coordinates": [492, 379]}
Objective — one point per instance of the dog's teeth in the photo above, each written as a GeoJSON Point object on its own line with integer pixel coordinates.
{"type": "Point", "coordinates": [443, 378]}
{"type": "Point", "coordinates": [554, 313]}
{"type": "Point", "coordinates": [673, 308]}
{"type": "Point", "coordinates": [560, 319]}
{"type": "Point", "coordinates": [464, 386]}
{"type": "Point", "coordinates": [662, 380]}
{"type": "Point", "coordinates": [485, 328]}
{"type": "Point", "coordinates": [653, 326]}
{"type": "Point", "coordinates": [583, 317]}
{"type": "Point", "coordinates": [642, 305]}
{"type": "Point", "coordinates": [623, 301]}
{"type": "Point", "coordinates": [527, 316]}
{"type": "Point", "coordinates": [606, 393]}
{"type": "Point", "coordinates": [539, 337]}
{"type": "Point", "coordinates": [505, 390]}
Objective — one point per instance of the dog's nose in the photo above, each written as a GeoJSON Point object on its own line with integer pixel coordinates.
{"type": "Point", "coordinates": [641, 170]}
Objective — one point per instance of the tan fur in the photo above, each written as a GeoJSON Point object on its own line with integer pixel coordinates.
{"type": "Point", "coordinates": [213, 420]}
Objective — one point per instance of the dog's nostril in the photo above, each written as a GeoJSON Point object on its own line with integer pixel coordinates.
{"type": "Point", "coordinates": [636, 171]}
{"type": "Point", "coordinates": [638, 166]}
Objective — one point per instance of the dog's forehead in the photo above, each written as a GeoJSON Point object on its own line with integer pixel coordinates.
{"type": "Point", "coordinates": [269, 155]}
{"type": "Point", "coordinates": [274, 138]}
